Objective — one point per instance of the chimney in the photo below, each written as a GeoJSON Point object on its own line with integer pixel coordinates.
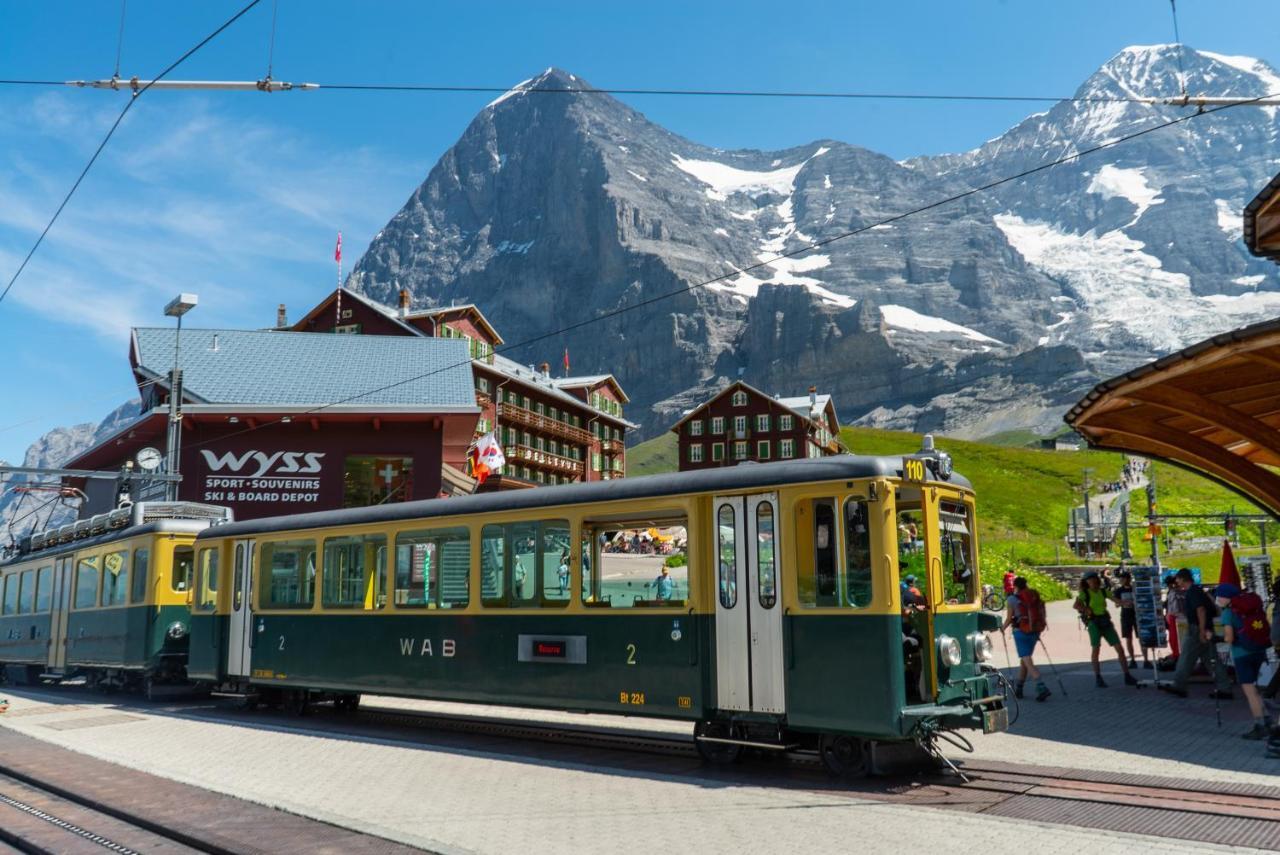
{"type": "Point", "coordinates": [404, 302]}
{"type": "Point", "coordinates": [813, 396]}
{"type": "Point", "coordinates": [282, 317]}
{"type": "Point", "coordinates": [545, 368]}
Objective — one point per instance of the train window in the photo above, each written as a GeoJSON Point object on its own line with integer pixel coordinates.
{"type": "Point", "coordinates": [433, 568]}
{"type": "Point", "coordinates": [184, 565]}
{"type": "Point", "coordinates": [287, 574]}
{"type": "Point", "coordinates": [87, 578]}
{"type": "Point", "coordinates": [355, 572]}
{"type": "Point", "coordinates": [857, 554]}
{"type": "Point", "coordinates": [635, 563]}
{"type": "Point", "coordinates": [115, 579]}
{"type": "Point", "coordinates": [44, 589]}
{"type": "Point", "coordinates": [237, 579]}
{"type": "Point", "coordinates": [727, 554]}
{"type": "Point", "coordinates": [818, 582]}
{"type": "Point", "coordinates": [26, 592]}
{"type": "Point", "coordinates": [10, 605]}
{"type": "Point", "coordinates": [767, 568]}
{"type": "Point", "coordinates": [520, 562]}
{"type": "Point", "coordinates": [207, 581]}
{"type": "Point", "coordinates": [141, 565]}
{"type": "Point", "coordinates": [959, 570]}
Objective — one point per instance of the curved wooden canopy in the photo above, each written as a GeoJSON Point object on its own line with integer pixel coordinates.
{"type": "Point", "coordinates": [1214, 407]}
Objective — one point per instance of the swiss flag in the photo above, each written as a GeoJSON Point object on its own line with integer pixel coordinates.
{"type": "Point", "coordinates": [337, 250]}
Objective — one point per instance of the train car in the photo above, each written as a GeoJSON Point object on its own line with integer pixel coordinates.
{"type": "Point", "coordinates": [762, 602]}
{"type": "Point", "coordinates": [105, 599]}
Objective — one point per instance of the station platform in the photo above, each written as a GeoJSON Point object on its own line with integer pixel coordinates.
{"type": "Point", "coordinates": [455, 793]}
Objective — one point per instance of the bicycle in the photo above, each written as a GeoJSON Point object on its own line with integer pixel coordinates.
{"type": "Point", "coordinates": [992, 599]}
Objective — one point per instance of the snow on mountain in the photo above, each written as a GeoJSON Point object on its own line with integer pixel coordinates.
{"type": "Point", "coordinates": [1000, 308]}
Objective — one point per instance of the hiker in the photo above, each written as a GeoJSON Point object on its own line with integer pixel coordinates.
{"type": "Point", "coordinates": [1028, 618]}
{"type": "Point", "coordinates": [912, 597]}
{"type": "Point", "coordinates": [1244, 625]}
{"type": "Point", "coordinates": [1010, 583]}
{"type": "Point", "coordinates": [1091, 603]}
{"type": "Point", "coordinates": [1175, 604]}
{"type": "Point", "coordinates": [1123, 595]}
{"type": "Point", "coordinates": [1197, 641]}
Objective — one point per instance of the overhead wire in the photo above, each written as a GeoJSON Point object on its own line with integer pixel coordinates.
{"type": "Point", "coordinates": [1177, 40]}
{"type": "Point", "coordinates": [120, 38]}
{"type": "Point", "coordinates": [110, 133]}
{"type": "Point", "coordinates": [991, 185]}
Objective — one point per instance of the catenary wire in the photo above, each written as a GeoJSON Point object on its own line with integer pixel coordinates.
{"type": "Point", "coordinates": [428, 88]}
{"type": "Point", "coordinates": [124, 5]}
{"type": "Point", "coordinates": [991, 185]}
{"type": "Point", "coordinates": [1177, 40]}
{"type": "Point", "coordinates": [111, 132]}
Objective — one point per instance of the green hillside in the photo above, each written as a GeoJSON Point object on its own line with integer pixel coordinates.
{"type": "Point", "coordinates": [1024, 494]}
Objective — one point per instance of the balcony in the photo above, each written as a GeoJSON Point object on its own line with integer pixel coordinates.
{"type": "Point", "coordinates": [612, 446]}
{"type": "Point", "coordinates": [615, 465]}
{"type": "Point", "coordinates": [545, 460]}
{"type": "Point", "coordinates": [510, 414]}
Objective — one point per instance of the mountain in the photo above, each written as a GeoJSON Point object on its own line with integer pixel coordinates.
{"type": "Point", "coordinates": [21, 513]}
{"type": "Point", "coordinates": [987, 314]}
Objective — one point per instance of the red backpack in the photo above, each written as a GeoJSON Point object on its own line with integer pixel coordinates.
{"type": "Point", "coordinates": [1033, 617]}
{"type": "Point", "coordinates": [1254, 625]}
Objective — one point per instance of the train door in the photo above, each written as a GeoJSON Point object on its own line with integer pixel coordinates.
{"type": "Point", "coordinates": [749, 662]}
{"type": "Point", "coordinates": [240, 626]}
{"type": "Point", "coordinates": [58, 619]}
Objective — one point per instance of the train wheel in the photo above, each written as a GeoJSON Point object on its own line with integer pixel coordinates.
{"type": "Point", "coordinates": [717, 753]}
{"type": "Point", "coordinates": [844, 756]}
{"type": "Point", "coordinates": [346, 703]}
{"type": "Point", "coordinates": [299, 702]}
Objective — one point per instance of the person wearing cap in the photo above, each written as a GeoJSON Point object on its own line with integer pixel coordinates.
{"type": "Point", "coordinates": [1197, 641]}
{"type": "Point", "coordinates": [1091, 603]}
{"type": "Point", "coordinates": [911, 595]}
{"type": "Point", "coordinates": [1123, 595]}
{"type": "Point", "coordinates": [1247, 656]}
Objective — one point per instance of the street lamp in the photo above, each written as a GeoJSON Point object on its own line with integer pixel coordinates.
{"type": "Point", "coordinates": [177, 307]}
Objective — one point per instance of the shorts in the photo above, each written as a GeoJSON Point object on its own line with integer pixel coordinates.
{"type": "Point", "coordinates": [1097, 634]}
{"type": "Point", "coordinates": [1248, 665]}
{"type": "Point", "coordinates": [1128, 623]}
{"type": "Point", "coordinates": [1025, 642]}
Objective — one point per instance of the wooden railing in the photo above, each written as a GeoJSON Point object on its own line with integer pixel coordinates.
{"type": "Point", "coordinates": [510, 414]}
{"type": "Point", "coordinates": [546, 460]}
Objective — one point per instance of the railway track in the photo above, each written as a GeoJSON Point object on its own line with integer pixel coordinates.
{"type": "Point", "coordinates": [37, 820]}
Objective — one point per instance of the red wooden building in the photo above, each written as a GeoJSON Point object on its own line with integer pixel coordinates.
{"type": "Point", "coordinates": [553, 430]}
{"type": "Point", "coordinates": [742, 423]}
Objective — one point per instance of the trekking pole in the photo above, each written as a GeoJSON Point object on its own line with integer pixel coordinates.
{"type": "Point", "coordinates": [1057, 676]}
{"type": "Point", "coordinates": [1007, 659]}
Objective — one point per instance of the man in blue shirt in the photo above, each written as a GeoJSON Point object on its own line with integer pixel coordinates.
{"type": "Point", "coordinates": [664, 586]}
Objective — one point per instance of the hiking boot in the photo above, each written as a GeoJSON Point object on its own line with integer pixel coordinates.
{"type": "Point", "coordinates": [1172, 689]}
{"type": "Point", "coordinates": [1099, 682]}
{"type": "Point", "coordinates": [1222, 695]}
{"type": "Point", "coordinates": [1017, 691]}
{"type": "Point", "coordinates": [1130, 680]}
{"type": "Point", "coordinates": [1043, 693]}
{"type": "Point", "coordinates": [1133, 663]}
{"type": "Point", "coordinates": [1258, 731]}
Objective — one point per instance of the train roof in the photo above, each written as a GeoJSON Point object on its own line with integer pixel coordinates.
{"type": "Point", "coordinates": [59, 549]}
{"type": "Point", "coordinates": [726, 479]}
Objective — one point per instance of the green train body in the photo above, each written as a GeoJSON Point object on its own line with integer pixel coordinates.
{"type": "Point", "coordinates": [842, 661]}
{"type": "Point", "coordinates": [104, 599]}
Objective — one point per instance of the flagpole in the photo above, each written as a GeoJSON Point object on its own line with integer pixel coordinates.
{"type": "Point", "coordinates": [337, 257]}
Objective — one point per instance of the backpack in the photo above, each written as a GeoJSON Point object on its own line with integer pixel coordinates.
{"type": "Point", "coordinates": [1254, 625]}
{"type": "Point", "coordinates": [1033, 617]}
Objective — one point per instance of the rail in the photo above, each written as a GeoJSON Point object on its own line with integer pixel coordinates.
{"type": "Point", "coordinates": [512, 414]}
{"type": "Point", "coordinates": [558, 462]}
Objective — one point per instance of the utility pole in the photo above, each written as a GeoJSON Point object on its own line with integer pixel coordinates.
{"type": "Point", "coordinates": [1125, 554]}
{"type": "Point", "coordinates": [1087, 519]}
{"type": "Point", "coordinates": [177, 307]}
{"type": "Point", "coordinates": [1152, 529]}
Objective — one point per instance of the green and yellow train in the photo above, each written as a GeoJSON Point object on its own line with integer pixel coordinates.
{"type": "Point", "coordinates": [106, 598]}
{"type": "Point", "coordinates": [761, 602]}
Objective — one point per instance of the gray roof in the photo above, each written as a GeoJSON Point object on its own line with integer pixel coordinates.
{"type": "Point", "coordinates": [549, 385]}
{"type": "Point", "coordinates": [269, 367]}
{"type": "Point", "coordinates": [838, 467]}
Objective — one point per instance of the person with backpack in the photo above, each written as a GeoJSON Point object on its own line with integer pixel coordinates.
{"type": "Point", "coordinates": [1091, 603]}
{"type": "Point", "coordinates": [1197, 641]}
{"type": "Point", "coordinates": [1247, 630]}
{"type": "Point", "coordinates": [1123, 596]}
{"type": "Point", "coordinates": [1027, 616]}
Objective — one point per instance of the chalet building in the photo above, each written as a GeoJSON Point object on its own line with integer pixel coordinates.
{"type": "Point", "coordinates": [282, 423]}
{"type": "Point", "coordinates": [554, 430]}
{"type": "Point", "coordinates": [742, 423]}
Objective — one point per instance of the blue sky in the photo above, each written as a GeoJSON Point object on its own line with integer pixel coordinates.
{"type": "Point", "coordinates": [237, 196]}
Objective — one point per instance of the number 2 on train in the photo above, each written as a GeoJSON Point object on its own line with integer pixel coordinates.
{"type": "Point", "coordinates": [631, 654]}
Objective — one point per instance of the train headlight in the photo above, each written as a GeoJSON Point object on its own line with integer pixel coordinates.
{"type": "Point", "coordinates": [983, 650]}
{"type": "Point", "coordinates": [177, 630]}
{"type": "Point", "coordinates": [948, 651]}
